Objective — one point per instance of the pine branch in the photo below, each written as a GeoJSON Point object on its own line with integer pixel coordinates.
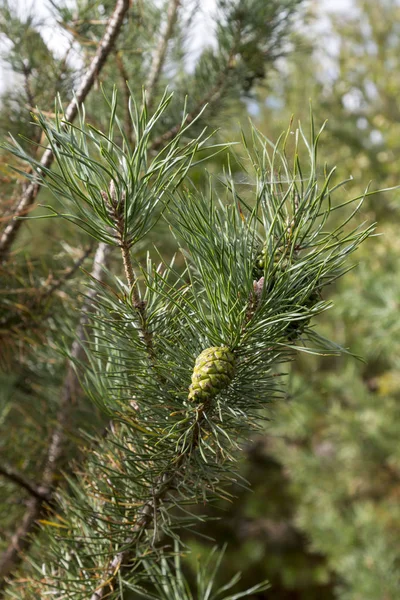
{"type": "Point", "coordinates": [22, 539]}
{"type": "Point", "coordinates": [125, 78]}
{"type": "Point", "coordinates": [16, 477]}
{"type": "Point", "coordinates": [176, 448]}
{"type": "Point", "coordinates": [210, 99]}
{"type": "Point", "coordinates": [161, 50]}
{"type": "Point", "coordinates": [113, 29]}
{"type": "Point", "coordinates": [149, 511]}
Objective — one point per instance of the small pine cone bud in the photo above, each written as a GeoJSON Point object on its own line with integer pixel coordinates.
{"type": "Point", "coordinates": [213, 371]}
{"type": "Point", "coordinates": [258, 287]}
{"type": "Point", "coordinates": [261, 256]}
{"type": "Point", "coordinates": [281, 260]}
{"type": "Point", "coordinates": [259, 263]}
{"type": "Point", "coordinates": [115, 205]}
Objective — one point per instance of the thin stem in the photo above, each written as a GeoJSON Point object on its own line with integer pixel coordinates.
{"type": "Point", "coordinates": [124, 77]}
{"type": "Point", "coordinates": [113, 29]}
{"type": "Point", "coordinates": [129, 272]}
{"type": "Point", "coordinates": [31, 103]}
{"type": "Point", "coordinates": [161, 51]}
{"type": "Point", "coordinates": [16, 477]}
{"type": "Point", "coordinates": [63, 65]}
{"type": "Point", "coordinates": [116, 207]}
{"type": "Point", "coordinates": [138, 303]}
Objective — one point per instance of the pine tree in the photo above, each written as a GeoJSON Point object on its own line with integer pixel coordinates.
{"type": "Point", "coordinates": [42, 404]}
{"type": "Point", "coordinates": [182, 362]}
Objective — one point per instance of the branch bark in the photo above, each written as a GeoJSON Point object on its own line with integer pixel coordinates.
{"type": "Point", "coordinates": [124, 77]}
{"type": "Point", "coordinates": [160, 52]}
{"type": "Point", "coordinates": [16, 477]}
{"type": "Point", "coordinates": [28, 197]}
{"type": "Point", "coordinates": [22, 538]}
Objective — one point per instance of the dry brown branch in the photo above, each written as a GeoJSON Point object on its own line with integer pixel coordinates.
{"type": "Point", "coordinates": [103, 50]}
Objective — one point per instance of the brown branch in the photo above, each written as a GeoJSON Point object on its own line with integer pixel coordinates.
{"type": "Point", "coordinates": [16, 477]}
{"type": "Point", "coordinates": [124, 77]}
{"type": "Point", "coordinates": [160, 52]}
{"type": "Point", "coordinates": [116, 208]}
{"type": "Point", "coordinates": [113, 29]}
{"type": "Point", "coordinates": [22, 538]}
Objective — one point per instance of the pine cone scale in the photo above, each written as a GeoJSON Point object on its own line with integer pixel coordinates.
{"type": "Point", "coordinates": [213, 371]}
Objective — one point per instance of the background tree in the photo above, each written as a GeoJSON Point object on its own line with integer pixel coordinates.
{"type": "Point", "coordinates": [351, 409]}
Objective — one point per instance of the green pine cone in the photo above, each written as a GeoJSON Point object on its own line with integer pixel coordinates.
{"type": "Point", "coordinates": [213, 371]}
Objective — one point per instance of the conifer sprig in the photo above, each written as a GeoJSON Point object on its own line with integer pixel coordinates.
{"type": "Point", "coordinates": [113, 192]}
{"type": "Point", "coordinates": [256, 264]}
{"type": "Point", "coordinates": [170, 583]}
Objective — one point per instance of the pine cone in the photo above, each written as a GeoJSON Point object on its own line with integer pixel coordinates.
{"type": "Point", "coordinates": [213, 371]}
